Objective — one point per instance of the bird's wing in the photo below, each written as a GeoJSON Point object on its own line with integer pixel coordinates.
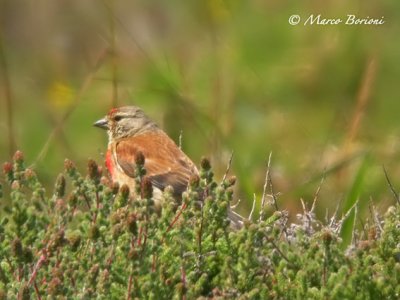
{"type": "Point", "coordinates": [165, 163]}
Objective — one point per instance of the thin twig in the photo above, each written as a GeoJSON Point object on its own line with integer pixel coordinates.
{"type": "Point", "coordinates": [253, 207]}
{"type": "Point", "coordinates": [141, 48]}
{"type": "Point", "coordinates": [363, 96]}
{"type": "Point", "coordinates": [113, 56]}
{"type": "Point", "coordinates": [130, 283]}
{"type": "Point", "coordinates": [307, 214]}
{"type": "Point", "coordinates": [39, 263]}
{"type": "Point", "coordinates": [317, 192]}
{"type": "Point", "coordinates": [228, 167]}
{"type": "Point", "coordinates": [395, 194]}
{"type": "Point", "coordinates": [375, 217]}
{"type": "Point", "coordinates": [176, 217]}
{"type": "Point", "coordinates": [340, 223]}
{"type": "Point", "coordinates": [271, 186]}
{"type": "Point", "coordinates": [363, 233]}
{"type": "Point", "coordinates": [349, 211]}
{"type": "Point", "coordinates": [326, 215]}
{"type": "Point", "coordinates": [281, 253]}
{"type": "Point", "coordinates": [61, 138]}
{"type": "Point", "coordinates": [268, 182]}
{"type": "Point", "coordinates": [353, 233]}
{"type": "Point", "coordinates": [304, 206]}
{"type": "Point", "coordinates": [335, 214]}
{"type": "Point", "coordinates": [78, 98]}
{"type": "Point", "coordinates": [264, 194]}
{"type": "Point", "coordinates": [8, 99]}
{"type": "Point", "coordinates": [180, 139]}
{"type": "Point", "coordinates": [236, 204]}
{"type": "Point", "coordinates": [37, 291]}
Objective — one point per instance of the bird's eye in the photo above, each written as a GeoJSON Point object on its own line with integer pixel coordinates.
{"type": "Point", "coordinates": [117, 118]}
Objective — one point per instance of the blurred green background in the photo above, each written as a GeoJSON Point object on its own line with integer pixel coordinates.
{"type": "Point", "coordinates": [231, 75]}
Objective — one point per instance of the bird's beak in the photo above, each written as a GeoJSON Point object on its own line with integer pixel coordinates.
{"type": "Point", "coordinates": [102, 123]}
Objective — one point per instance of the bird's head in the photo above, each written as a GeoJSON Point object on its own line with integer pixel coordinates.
{"type": "Point", "coordinates": [125, 121]}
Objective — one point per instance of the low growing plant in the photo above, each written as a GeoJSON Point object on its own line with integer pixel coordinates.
{"type": "Point", "coordinates": [90, 240]}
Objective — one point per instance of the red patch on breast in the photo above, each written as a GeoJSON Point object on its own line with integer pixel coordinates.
{"type": "Point", "coordinates": [109, 163]}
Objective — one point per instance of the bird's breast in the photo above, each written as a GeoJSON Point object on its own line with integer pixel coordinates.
{"type": "Point", "coordinates": [110, 163]}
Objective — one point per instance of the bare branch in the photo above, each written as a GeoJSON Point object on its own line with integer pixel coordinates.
{"type": "Point", "coordinates": [375, 217]}
{"type": "Point", "coordinates": [353, 232]}
{"type": "Point", "coordinates": [264, 194]}
{"type": "Point", "coordinates": [236, 204]}
{"type": "Point", "coordinates": [268, 182]}
{"type": "Point", "coordinates": [335, 214]}
{"type": "Point", "coordinates": [228, 167]}
{"type": "Point", "coordinates": [317, 192]}
{"type": "Point", "coordinates": [347, 214]}
{"type": "Point", "coordinates": [8, 99]}
{"type": "Point", "coordinates": [111, 23]}
{"type": "Point", "coordinates": [253, 207]}
{"type": "Point", "coordinates": [304, 206]}
{"type": "Point", "coordinates": [180, 139]}
{"type": "Point", "coordinates": [78, 98]}
{"type": "Point", "coordinates": [395, 194]}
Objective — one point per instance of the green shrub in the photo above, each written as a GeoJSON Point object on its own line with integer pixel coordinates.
{"type": "Point", "coordinates": [89, 239]}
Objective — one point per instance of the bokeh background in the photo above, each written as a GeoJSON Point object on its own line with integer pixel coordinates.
{"type": "Point", "coordinates": [228, 75]}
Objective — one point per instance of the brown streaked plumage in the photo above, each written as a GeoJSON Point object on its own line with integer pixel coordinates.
{"type": "Point", "coordinates": [165, 163]}
{"type": "Point", "coordinates": [130, 131]}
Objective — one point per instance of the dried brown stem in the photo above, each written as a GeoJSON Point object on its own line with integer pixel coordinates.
{"type": "Point", "coordinates": [8, 99]}
{"type": "Point", "coordinates": [130, 283]}
{"type": "Point", "coordinates": [228, 167]}
{"type": "Point", "coordinates": [317, 192]}
{"type": "Point", "coordinates": [363, 97]}
{"type": "Point", "coordinates": [268, 182]}
{"type": "Point", "coordinates": [111, 23]}
{"type": "Point", "coordinates": [78, 98]}
{"type": "Point", "coordinates": [395, 194]}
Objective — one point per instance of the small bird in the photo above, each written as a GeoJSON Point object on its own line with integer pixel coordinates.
{"type": "Point", "coordinates": [131, 132]}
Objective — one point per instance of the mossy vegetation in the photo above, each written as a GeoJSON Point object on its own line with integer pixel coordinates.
{"type": "Point", "coordinates": [89, 239]}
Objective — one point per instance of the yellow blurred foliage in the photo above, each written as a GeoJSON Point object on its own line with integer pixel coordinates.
{"type": "Point", "coordinates": [218, 10]}
{"type": "Point", "coordinates": [60, 95]}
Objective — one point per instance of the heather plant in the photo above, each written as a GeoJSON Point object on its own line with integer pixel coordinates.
{"type": "Point", "coordinates": [89, 238]}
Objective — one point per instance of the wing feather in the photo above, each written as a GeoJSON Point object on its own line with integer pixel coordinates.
{"type": "Point", "coordinates": [165, 163]}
